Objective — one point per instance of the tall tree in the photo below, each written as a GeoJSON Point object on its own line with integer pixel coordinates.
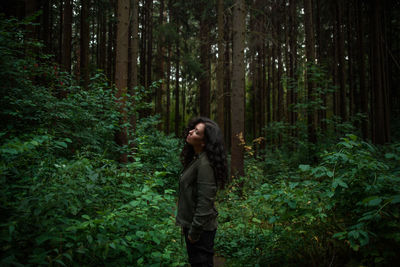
{"type": "Point", "coordinates": [134, 24]}
{"type": "Point", "coordinates": [102, 37]}
{"type": "Point", "coordinates": [363, 94]}
{"type": "Point", "coordinates": [205, 52]}
{"type": "Point", "coordinates": [268, 93]}
{"type": "Point", "coordinates": [310, 55]}
{"type": "Point", "coordinates": [350, 56]}
{"type": "Point", "coordinates": [220, 65]}
{"type": "Point", "coordinates": [46, 29]}
{"type": "Point", "coordinates": [342, 106]}
{"type": "Point", "coordinates": [30, 10]}
{"type": "Point", "coordinates": [146, 51]}
{"type": "Point", "coordinates": [227, 80]}
{"type": "Point", "coordinates": [381, 129]}
{"type": "Point", "coordinates": [67, 36]}
{"type": "Point", "coordinates": [292, 70]}
{"type": "Point", "coordinates": [84, 43]}
{"type": "Point", "coordinates": [110, 70]}
{"type": "Point", "coordinates": [121, 69]}
{"type": "Point", "coordinates": [238, 89]}
{"type": "Point", "coordinates": [149, 49]}
{"type": "Point", "coordinates": [160, 61]}
{"type": "Point", "coordinates": [134, 45]}
{"type": "Point", "coordinates": [168, 92]}
{"type": "Point", "coordinates": [177, 77]}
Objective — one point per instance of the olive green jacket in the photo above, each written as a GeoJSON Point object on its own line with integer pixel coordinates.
{"type": "Point", "coordinates": [197, 191]}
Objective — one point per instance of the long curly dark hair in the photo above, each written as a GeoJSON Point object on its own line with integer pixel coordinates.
{"type": "Point", "coordinates": [214, 147]}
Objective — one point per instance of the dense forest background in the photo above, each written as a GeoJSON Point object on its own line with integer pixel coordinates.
{"type": "Point", "coordinates": [95, 95]}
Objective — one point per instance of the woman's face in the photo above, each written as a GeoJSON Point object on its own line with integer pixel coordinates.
{"type": "Point", "coordinates": [195, 136]}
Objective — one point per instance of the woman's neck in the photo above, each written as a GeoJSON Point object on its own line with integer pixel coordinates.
{"type": "Point", "coordinates": [198, 150]}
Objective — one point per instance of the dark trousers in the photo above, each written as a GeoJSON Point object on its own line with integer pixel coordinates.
{"type": "Point", "coordinates": [201, 252]}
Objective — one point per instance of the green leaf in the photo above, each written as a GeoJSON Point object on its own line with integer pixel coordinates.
{"type": "Point", "coordinates": [43, 238]}
{"type": "Point", "coordinates": [352, 137]}
{"type": "Point", "coordinates": [304, 168]}
{"type": "Point", "coordinates": [272, 220]}
{"type": "Point", "coordinates": [292, 204]}
{"type": "Point", "coordinates": [293, 185]}
{"type": "Point", "coordinates": [61, 144]}
{"type": "Point", "coordinates": [255, 220]}
{"type": "Point", "coordinates": [267, 196]}
{"type": "Point", "coordinates": [340, 235]}
{"type": "Point", "coordinates": [337, 182]}
{"type": "Point", "coordinates": [68, 256]}
{"type": "Point", "coordinates": [34, 142]}
{"type": "Point", "coordinates": [372, 201]}
{"type": "Point", "coordinates": [329, 174]}
{"type": "Point", "coordinates": [60, 262]}
{"type": "Point", "coordinates": [395, 199]}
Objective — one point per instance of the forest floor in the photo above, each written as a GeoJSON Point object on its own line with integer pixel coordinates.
{"type": "Point", "coordinates": [219, 261]}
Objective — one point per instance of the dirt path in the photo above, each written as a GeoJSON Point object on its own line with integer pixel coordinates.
{"type": "Point", "coordinates": [219, 261]}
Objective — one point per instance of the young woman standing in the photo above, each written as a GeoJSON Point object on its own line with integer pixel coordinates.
{"type": "Point", "coordinates": [205, 169]}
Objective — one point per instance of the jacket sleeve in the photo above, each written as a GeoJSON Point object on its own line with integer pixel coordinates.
{"type": "Point", "coordinates": [206, 190]}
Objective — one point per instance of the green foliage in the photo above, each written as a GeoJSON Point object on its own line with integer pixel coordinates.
{"type": "Point", "coordinates": [64, 199]}
{"type": "Point", "coordinates": [344, 209]}
{"type": "Point", "coordinates": [89, 212]}
{"type": "Point", "coordinates": [157, 152]}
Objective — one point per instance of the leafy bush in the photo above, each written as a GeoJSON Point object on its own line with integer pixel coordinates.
{"type": "Point", "coordinates": [64, 200]}
{"type": "Point", "coordinates": [157, 151]}
{"type": "Point", "coordinates": [90, 212]}
{"type": "Point", "coordinates": [345, 209]}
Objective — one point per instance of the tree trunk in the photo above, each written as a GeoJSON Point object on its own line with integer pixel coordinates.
{"type": "Point", "coordinates": [342, 66]}
{"type": "Point", "coordinates": [274, 84]}
{"type": "Point", "coordinates": [381, 134]}
{"type": "Point", "coordinates": [227, 81]}
{"type": "Point", "coordinates": [67, 37]}
{"type": "Point", "coordinates": [320, 57]}
{"type": "Point", "coordinates": [168, 85]}
{"type": "Point", "coordinates": [251, 122]}
{"type": "Point", "coordinates": [350, 55]}
{"type": "Point", "coordinates": [177, 117]}
{"type": "Point", "coordinates": [269, 78]}
{"type": "Point", "coordinates": [121, 69]}
{"type": "Point", "coordinates": [363, 102]}
{"type": "Point", "coordinates": [238, 90]}
{"type": "Point", "coordinates": [310, 55]}
{"type": "Point", "coordinates": [30, 10]}
{"type": "Point", "coordinates": [335, 68]}
{"type": "Point", "coordinates": [60, 32]}
{"type": "Point", "coordinates": [146, 54]}
{"type": "Point", "coordinates": [149, 50]}
{"type": "Point", "coordinates": [110, 47]}
{"type": "Point", "coordinates": [220, 66]}
{"type": "Point", "coordinates": [102, 40]}
{"type": "Point", "coordinates": [143, 46]}
{"type": "Point", "coordinates": [160, 64]}
{"type": "Point", "coordinates": [205, 82]}
{"type": "Point", "coordinates": [46, 29]}
{"type": "Point", "coordinates": [292, 60]}
{"type": "Point", "coordinates": [134, 24]}
{"type": "Point", "coordinates": [84, 43]}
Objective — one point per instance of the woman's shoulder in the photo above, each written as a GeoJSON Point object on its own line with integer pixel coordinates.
{"type": "Point", "coordinates": [203, 158]}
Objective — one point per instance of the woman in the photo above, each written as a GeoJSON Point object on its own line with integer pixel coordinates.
{"type": "Point", "coordinates": [205, 168]}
